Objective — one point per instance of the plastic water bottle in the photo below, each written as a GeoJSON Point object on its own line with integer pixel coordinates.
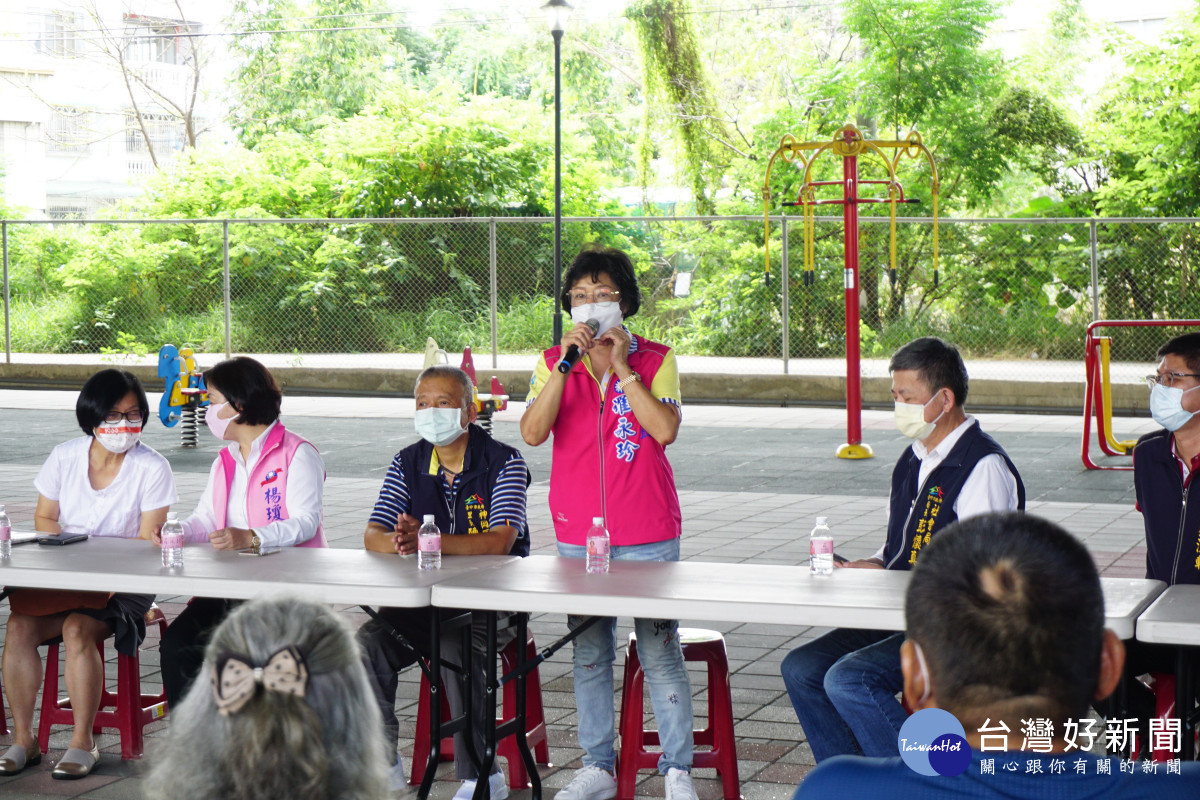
{"type": "Point", "coordinates": [429, 545]}
{"type": "Point", "coordinates": [5, 534]}
{"type": "Point", "coordinates": [820, 549]}
{"type": "Point", "coordinates": [597, 547]}
{"type": "Point", "coordinates": [172, 541]}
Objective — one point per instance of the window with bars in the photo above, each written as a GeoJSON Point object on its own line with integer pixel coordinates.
{"type": "Point", "coordinates": [166, 133]}
{"type": "Point", "coordinates": [161, 41]}
{"type": "Point", "coordinates": [70, 130]}
{"type": "Point", "coordinates": [55, 33]}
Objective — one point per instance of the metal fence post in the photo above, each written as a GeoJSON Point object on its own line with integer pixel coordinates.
{"type": "Point", "coordinates": [7, 323]}
{"type": "Point", "coordinates": [493, 290]}
{"type": "Point", "coordinates": [225, 267]}
{"type": "Point", "coordinates": [1095, 271]}
{"type": "Point", "coordinates": [783, 284]}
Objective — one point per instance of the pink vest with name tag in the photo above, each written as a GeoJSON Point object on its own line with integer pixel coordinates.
{"type": "Point", "coordinates": [266, 493]}
{"type": "Point", "coordinates": [605, 464]}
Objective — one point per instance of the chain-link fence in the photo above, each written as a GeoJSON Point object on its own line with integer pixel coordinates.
{"type": "Point", "coordinates": [368, 292]}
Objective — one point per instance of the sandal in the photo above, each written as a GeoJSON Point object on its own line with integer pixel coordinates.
{"type": "Point", "coordinates": [17, 758]}
{"type": "Point", "coordinates": [76, 763]}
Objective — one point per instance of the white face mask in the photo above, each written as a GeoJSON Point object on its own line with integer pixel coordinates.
{"type": "Point", "coordinates": [439, 426]}
{"type": "Point", "coordinates": [118, 438]}
{"type": "Point", "coordinates": [1166, 406]}
{"type": "Point", "coordinates": [910, 418]}
{"type": "Point", "coordinates": [608, 315]}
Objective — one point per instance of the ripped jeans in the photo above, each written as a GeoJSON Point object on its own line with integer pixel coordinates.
{"type": "Point", "coordinates": [662, 661]}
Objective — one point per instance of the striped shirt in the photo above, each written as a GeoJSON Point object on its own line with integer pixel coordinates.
{"type": "Point", "coordinates": [507, 505]}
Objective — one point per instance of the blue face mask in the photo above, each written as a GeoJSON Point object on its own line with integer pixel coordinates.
{"type": "Point", "coordinates": [439, 426]}
{"type": "Point", "coordinates": [1166, 406]}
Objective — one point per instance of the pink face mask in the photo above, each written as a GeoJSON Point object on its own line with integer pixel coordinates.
{"type": "Point", "coordinates": [215, 423]}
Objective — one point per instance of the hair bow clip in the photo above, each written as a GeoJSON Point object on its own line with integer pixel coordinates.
{"type": "Point", "coordinates": [235, 679]}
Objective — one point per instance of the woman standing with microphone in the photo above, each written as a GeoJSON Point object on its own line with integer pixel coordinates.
{"type": "Point", "coordinates": [611, 399]}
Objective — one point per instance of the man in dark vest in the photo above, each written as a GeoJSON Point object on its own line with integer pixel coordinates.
{"type": "Point", "coordinates": [474, 486]}
{"type": "Point", "coordinates": [1166, 462]}
{"type": "Point", "coordinates": [1165, 465]}
{"type": "Point", "coordinates": [843, 684]}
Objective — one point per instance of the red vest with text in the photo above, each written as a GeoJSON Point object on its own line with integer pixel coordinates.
{"type": "Point", "coordinates": [605, 464]}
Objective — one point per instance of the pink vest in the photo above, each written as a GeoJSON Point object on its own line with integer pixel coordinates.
{"type": "Point", "coordinates": [266, 494]}
{"type": "Point", "coordinates": [605, 465]}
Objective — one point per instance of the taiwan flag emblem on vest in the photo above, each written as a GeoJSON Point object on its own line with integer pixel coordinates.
{"type": "Point", "coordinates": [270, 477]}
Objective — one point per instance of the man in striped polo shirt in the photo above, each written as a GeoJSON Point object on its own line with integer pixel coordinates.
{"type": "Point", "coordinates": [474, 486]}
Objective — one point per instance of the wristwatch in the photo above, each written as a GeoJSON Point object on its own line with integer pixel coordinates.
{"type": "Point", "coordinates": [255, 542]}
{"type": "Point", "coordinates": [632, 377]}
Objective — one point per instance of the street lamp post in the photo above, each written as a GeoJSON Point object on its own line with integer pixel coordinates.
{"type": "Point", "coordinates": [557, 12]}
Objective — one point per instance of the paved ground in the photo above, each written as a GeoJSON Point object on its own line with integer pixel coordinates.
{"type": "Point", "coordinates": [751, 481]}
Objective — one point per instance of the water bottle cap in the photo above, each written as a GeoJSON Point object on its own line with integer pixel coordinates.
{"type": "Point", "coordinates": [1, 508]}
{"type": "Point", "coordinates": [595, 520]}
{"type": "Point", "coordinates": [822, 520]}
{"type": "Point", "coordinates": [171, 516]}
{"type": "Point", "coordinates": [428, 519]}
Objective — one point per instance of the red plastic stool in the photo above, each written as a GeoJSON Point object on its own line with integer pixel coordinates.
{"type": "Point", "coordinates": [127, 710]}
{"type": "Point", "coordinates": [3, 716]}
{"type": "Point", "coordinates": [698, 645]}
{"type": "Point", "coordinates": [535, 722]}
{"type": "Point", "coordinates": [1164, 708]}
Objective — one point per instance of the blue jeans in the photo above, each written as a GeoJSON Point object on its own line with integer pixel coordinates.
{"type": "Point", "coordinates": [661, 657]}
{"type": "Point", "coordinates": [843, 686]}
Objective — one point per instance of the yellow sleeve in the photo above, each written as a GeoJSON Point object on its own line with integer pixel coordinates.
{"type": "Point", "coordinates": [541, 374]}
{"type": "Point", "coordinates": [665, 386]}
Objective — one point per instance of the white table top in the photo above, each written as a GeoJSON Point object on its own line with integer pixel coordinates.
{"type": "Point", "coordinates": [721, 592]}
{"type": "Point", "coordinates": [324, 575]}
{"type": "Point", "coordinates": [1174, 618]}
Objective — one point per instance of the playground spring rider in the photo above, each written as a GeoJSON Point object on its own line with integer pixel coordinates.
{"type": "Point", "coordinates": [848, 143]}
{"type": "Point", "coordinates": [185, 397]}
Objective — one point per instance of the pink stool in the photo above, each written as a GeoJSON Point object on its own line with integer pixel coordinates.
{"type": "Point", "coordinates": [127, 709]}
{"type": "Point", "coordinates": [535, 722]}
{"type": "Point", "coordinates": [698, 645]}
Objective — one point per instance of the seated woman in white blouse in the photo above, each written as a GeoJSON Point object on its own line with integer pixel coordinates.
{"type": "Point", "coordinates": [106, 483]}
{"type": "Point", "coordinates": [264, 491]}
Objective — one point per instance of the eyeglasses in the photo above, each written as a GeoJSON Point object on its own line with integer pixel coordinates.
{"type": "Point", "coordinates": [602, 294]}
{"type": "Point", "coordinates": [113, 417]}
{"type": "Point", "coordinates": [1168, 378]}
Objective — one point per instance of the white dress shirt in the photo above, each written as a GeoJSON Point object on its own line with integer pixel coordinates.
{"type": "Point", "coordinates": [143, 483]}
{"type": "Point", "coordinates": [989, 487]}
{"type": "Point", "coordinates": [305, 490]}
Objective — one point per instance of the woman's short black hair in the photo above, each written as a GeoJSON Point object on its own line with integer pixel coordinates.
{"type": "Point", "coordinates": [101, 394]}
{"type": "Point", "coordinates": [591, 261]}
{"type": "Point", "coordinates": [249, 387]}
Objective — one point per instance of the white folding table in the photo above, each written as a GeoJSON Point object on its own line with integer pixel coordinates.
{"type": "Point", "coordinates": [721, 592]}
{"type": "Point", "coordinates": [1174, 619]}
{"type": "Point", "coordinates": [323, 575]}
{"type": "Point", "coordinates": [746, 592]}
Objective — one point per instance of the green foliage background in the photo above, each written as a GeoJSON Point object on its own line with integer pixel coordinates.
{"type": "Point", "coordinates": [387, 122]}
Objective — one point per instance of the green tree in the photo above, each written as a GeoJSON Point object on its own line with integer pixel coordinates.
{"type": "Point", "coordinates": [297, 81]}
{"type": "Point", "coordinates": [674, 71]}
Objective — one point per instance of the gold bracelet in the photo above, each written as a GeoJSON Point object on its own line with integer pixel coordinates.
{"type": "Point", "coordinates": [633, 376]}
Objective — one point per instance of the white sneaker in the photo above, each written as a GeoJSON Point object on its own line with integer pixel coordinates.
{"type": "Point", "coordinates": [496, 784]}
{"type": "Point", "coordinates": [397, 779]}
{"type": "Point", "coordinates": [679, 785]}
{"type": "Point", "coordinates": [589, 783]}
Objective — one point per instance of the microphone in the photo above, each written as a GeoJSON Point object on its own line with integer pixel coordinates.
{"type": "Point", "coordinates": [573, 355]}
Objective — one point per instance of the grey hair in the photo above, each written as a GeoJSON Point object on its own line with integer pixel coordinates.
{"type": "Point", "coordinates": [447, 371]}
{"type": "Point", "coordinates": [327, 745]}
